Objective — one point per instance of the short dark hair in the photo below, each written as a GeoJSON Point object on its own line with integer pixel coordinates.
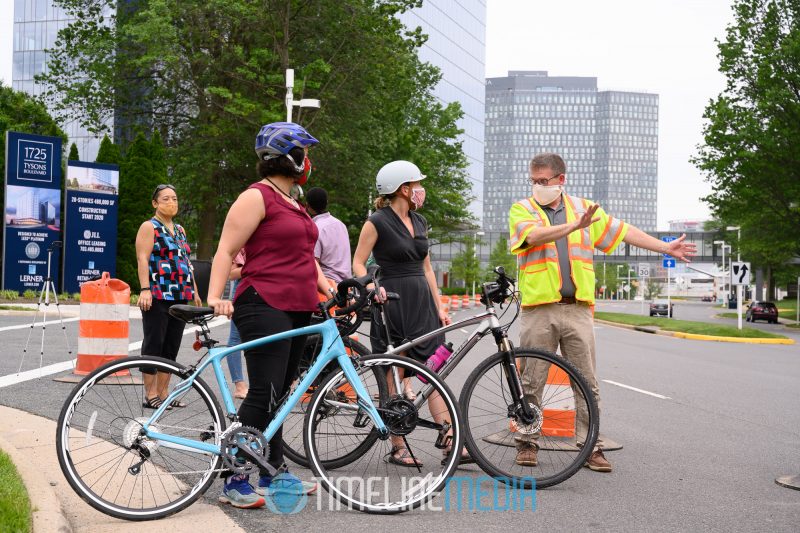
{"type": "Point", "coordinates": [549, 160]}
{"type": "Point", "coordinates": [281, 166]}
{"type": "Point", "coordinates": [317, 199]}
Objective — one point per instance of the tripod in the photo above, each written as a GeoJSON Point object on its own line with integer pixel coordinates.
{"type": "Point", "coordinates": [45, 294]}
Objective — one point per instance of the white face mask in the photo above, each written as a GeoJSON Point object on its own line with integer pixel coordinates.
{"type": "Point", "coordinates": [546, 194]}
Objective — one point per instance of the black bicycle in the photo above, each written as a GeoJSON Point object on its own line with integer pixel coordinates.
{"type": "Point", "coordinates": [515, 395]}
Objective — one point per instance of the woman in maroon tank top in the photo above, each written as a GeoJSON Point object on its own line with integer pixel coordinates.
{"type": "Point", "coordinates": [278, 290]}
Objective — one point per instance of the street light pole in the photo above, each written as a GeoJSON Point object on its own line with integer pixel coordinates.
{"type": "Point", "coordinates": [724, 284]}
{"type": "Point", "coordinates": [738, 260]}
{"type": "Point", "coordinates": [618, 287]}
{"type": "Point", "coordinates": [477, 255]}
{"type": "Point", "coordinates": [290, 101]}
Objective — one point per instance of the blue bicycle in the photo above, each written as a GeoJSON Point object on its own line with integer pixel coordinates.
{"type": "Point", "coordinates": [134, 463]}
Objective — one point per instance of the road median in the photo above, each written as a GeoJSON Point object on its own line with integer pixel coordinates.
{"type": "Point", "coordinates": [686, 329]}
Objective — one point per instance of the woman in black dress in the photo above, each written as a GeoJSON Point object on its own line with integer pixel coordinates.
{"type": "Point", "coordinates": [397, 236]}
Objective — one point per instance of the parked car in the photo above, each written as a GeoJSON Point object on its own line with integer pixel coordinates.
{"type": "Point", "coordinates": [659, 308]}
{"type": "Point", "coordinates": [708, 298]}
{"type": "Point", "coordinates": [762, 311]}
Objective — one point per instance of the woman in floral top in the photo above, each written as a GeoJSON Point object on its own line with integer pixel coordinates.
{"type": "Point", "coordinates": [166, 279]}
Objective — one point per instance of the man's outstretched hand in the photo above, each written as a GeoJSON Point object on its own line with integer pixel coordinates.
{"type": "Point", "coordinates": [681, 250]}
{"type": "Point", "coordinates": [588, 218]}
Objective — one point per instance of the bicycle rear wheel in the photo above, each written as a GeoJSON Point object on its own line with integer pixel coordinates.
{"type": "Point", "coordinates": [354, 441]}
{"type": "Point", "coordinates": [116, 470]}
{"type": "Point", "coordinates": [494, 427]}
{"type": "Point", "coordinates": [375, 482]}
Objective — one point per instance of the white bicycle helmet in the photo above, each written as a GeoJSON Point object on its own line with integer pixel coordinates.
{"type": "Point", "coordinates": [392, 175]}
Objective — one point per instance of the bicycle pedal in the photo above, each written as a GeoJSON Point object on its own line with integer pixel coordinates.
{"type": "Point", "coordinates": [361, 420]}
{"type": "Point", "coordinates": [444, 440]}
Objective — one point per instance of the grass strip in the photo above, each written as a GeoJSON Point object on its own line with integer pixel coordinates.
{"type": "Point", "coordinates": [687, 326]}
{"type": "Point", "coordinates": [15, 507]}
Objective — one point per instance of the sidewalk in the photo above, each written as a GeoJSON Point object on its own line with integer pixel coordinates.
{"type": "Point", "coordinates": [30, 441]}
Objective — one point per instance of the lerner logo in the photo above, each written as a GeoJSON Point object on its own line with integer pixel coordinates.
{"type": "Point", "coordinates": [32, 250]}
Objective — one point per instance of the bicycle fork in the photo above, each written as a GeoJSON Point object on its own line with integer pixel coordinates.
{"type": "Point", "coordinates": [520, 408]}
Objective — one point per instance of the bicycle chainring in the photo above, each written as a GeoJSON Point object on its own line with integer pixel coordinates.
{"type": "Point", "coordinates": [400, 416]}
{"type": "Point", "coordinates": [240, 437]}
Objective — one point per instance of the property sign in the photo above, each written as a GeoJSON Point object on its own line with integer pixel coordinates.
{"type": "Point", "coordinates": [90, 222]}
{"type": "Point", "coordinates": [32, 210]}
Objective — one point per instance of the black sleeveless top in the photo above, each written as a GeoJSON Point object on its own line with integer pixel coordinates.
{"type": "Point", "coordinates": [396, 251]}
{"type": "Point", "coordinates": [401, 258]}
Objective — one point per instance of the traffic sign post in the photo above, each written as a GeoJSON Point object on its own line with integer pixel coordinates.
{"type": "Point", "coordinates": [669, 263]}
{"type": "Point", "coordinates": [740, 275]}
{"type": "Point", "coordinates": [644, 274]}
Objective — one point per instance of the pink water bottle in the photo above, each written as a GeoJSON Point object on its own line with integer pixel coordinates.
{"type": "Point", "coordinates": [438, 359]}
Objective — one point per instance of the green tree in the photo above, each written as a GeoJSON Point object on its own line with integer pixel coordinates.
{"type": "Point", "coordinates": [108, 152]}
{"type": "Point", "coordinates": [23, 113]}
{"type": "Point", "coordinates": [208, 74]}
{"type": "Point", "coordinates": [140, 173]}
{"type": "Point", "coordinates": [465, 265]}
{"type": "Point", "coordinates": [752, 132]}
{"type": "Point", "coordinates": [73, 153]}
{"type": "Point", "coordinates": [500, 256]}
{"type": "Point", "coordinates": [653, 289]}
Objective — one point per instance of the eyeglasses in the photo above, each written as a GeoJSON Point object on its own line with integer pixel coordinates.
{"type": "Point", "coordinates": [543, 181]}
{"type": "Point", "coordinates": [161, 188]}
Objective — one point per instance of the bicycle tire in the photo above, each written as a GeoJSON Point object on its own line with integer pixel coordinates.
{"type": "Point", "coordinates": [488, 442]}
{"type": "Point", "coordinates": [120, 403]}
{"type": "Point", "coordinates": [293, 447]}
{"type": "Point", "coordinates": [438, 466]}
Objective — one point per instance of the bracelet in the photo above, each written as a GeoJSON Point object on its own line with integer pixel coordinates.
{"type": "Point", "coordinates": [146, 289]}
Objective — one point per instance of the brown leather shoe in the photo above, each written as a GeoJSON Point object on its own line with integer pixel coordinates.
{"type": "Point", "coordinates": [598, 462]}
{"type": "Point", "coordinates": [526, 454]}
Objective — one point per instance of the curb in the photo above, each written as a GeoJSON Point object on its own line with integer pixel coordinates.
{"type": "Point", "coordinates": [743, 340]}
{"type": "Point", "coordinates": [46, 514]}
{"type": "Point", "coordinates": [694, 336]}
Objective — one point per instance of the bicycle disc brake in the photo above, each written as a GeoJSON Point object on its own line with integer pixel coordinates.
{"type": "Point", "coordinates": [245, 451]}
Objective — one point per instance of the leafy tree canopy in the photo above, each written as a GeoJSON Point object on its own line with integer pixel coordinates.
{"type": "Point", "coordinates": [208, 74]}
{"type": "Point", "coordinates": [752, 132]}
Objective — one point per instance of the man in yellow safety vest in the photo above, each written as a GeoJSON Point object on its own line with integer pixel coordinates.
{"type": "Point", "coordinates": [554, 236]}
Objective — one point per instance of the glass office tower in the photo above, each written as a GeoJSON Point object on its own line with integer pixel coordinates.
{"type": "Point", "coordinates": [36, 27]}
{"type": "Point", "coordinates": [457, 44]}
{"type": "Point", "coordinates": [608, 139]}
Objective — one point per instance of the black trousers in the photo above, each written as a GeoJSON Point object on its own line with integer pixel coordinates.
{"type": "Point", "coordinates": [271, 368]}
{"type": "Point", "coordinates": [162, 331]}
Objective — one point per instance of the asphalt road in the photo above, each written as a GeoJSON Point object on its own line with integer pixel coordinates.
{"type": "Point", "coordinates": [703, 458]}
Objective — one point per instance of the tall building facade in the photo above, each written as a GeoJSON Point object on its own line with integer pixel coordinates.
{"type": "Point", "coordinates": [36, 27]}
{"type": "Point", "coordinates": [457, 45]}
{"type": "Point", "coordinates": [608, 139]}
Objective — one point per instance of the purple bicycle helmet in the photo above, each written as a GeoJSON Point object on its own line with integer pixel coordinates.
{"type": "Point", "coordinates": [278, 138]}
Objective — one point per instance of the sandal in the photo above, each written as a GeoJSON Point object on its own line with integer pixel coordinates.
{"type": "Point", "coordinates": [399, 454]}
{"type": "Point", "coordinates": [176, 403]}
{"type": "Point", "coordinates": [154, 403]}
{"type": "Point", "coordinates": [466, 458]}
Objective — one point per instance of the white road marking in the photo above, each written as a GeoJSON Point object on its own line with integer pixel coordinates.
{"type": "Point", "coordinates": [636, 390]}
{"type": "Point", "coordinates": [13, 379]}
{"type": "Point", "coordinates": [39, 324]}
{"type": "Point", "coordinates": [462, 330]}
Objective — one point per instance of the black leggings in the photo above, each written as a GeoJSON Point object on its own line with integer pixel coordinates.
{"type": "Point", "coordinates": [271, 368]}
{"type": "Point", "coordinates": [162, 331]}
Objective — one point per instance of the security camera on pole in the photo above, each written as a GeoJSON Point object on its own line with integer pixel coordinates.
{"type": "Point", "coordinates": [290, 102]}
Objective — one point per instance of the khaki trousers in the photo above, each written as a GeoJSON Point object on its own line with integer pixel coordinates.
{"type": "Point", "coordinates": [571, 327]}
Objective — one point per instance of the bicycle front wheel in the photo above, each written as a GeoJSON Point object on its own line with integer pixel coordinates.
{"type": "Point", "coordinates": [112, 466]}
{"type": "Point", "coordinates": [354, 441]}
{"type": "Point", "coordinates": [564, 426]}
{"type": "Point", "coordinates": [402, 469]}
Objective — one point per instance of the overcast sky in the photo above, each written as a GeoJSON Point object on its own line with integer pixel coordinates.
{"type": "Point", "coordinates": [657, 46]}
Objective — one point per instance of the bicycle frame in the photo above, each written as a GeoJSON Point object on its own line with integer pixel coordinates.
{"type": "Point", "coordinates": [332, 349]}
{"type": "Point", "coordinates": [487, 321]}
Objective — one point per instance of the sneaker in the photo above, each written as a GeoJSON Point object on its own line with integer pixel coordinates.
{"type": "Point", "coordinates": [526, 454]}
{"type": "Point", "coordinates": [598, 462]}
{"type": "Point", "coordinates": [238, 492]}
{"type": "Point", "coordinates": [265, 481]}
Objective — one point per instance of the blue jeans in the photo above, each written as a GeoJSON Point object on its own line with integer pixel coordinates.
{"type": "Point", "coordinates": [235, 359]}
